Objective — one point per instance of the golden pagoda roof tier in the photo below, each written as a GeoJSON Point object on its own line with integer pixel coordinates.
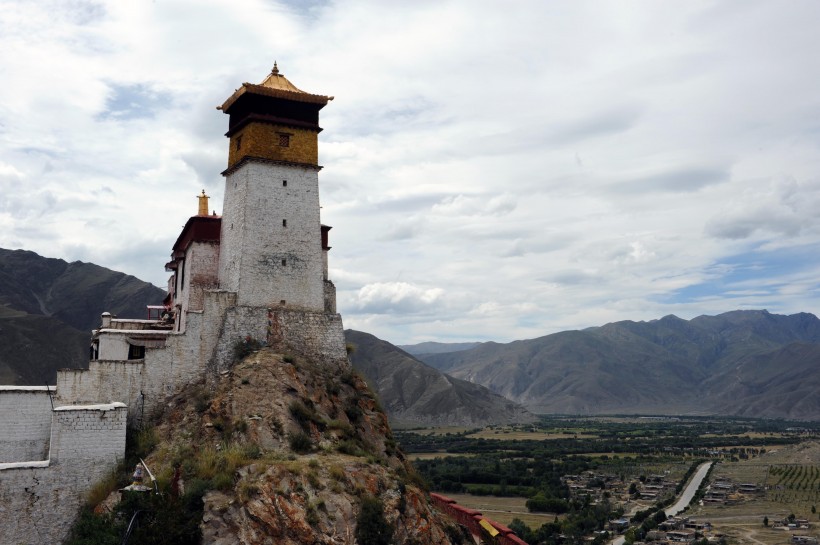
{"type": "Point", "coordinates": [277, 86]}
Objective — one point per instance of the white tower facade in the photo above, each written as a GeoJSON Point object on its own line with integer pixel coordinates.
{"type": "Point", "coordinates": [271, 241]}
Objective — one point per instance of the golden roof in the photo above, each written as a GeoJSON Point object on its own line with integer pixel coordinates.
{"type": "Point", "coordinates": [278, 86]}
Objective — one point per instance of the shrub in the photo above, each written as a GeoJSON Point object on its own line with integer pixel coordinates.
{"type": "Point", "coordinates": [222, 481]}
{"type": "Point", "coordinates": [311, 516]}
{"type": "Point", "coordinates": [300, 442]}
{"type": "Point", "coordinates": [354, 412]}
{"type": "Point", "coordinates": [349, 378]}
{"type": "Point", "coordinates": [371, 525]}
{"type": "Point", "coordinates": [201, 400]}
{"type": "Point", "coordinates": [161, 520]}
{"type": "Point", "coordinates": [304, 415]}
{"type": "Point", "coordinates": [242, 348]}
{"type": "Point", "coordinates": [350, 447]}
{"type": "Point", "coordinates": [252, 451]}
{"type": "Point", "coordinates": [337, 473]}
{"type": "Point", "coordinates": [100, 491]}
{"type": "Point", "coordinates": [313, 479]}
{"type": "Point", "coordinates": [247, 490]}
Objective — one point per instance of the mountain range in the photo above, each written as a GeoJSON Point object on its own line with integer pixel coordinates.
{"type": "Point", "coordinates": [750, 363]}
{"type": "Point", "coordinates": [414, 393]}
{"type": "Point", "coordinates": [48, 308]}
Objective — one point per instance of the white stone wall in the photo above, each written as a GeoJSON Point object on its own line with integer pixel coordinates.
{"type": "Point", "coordinates": [142, 384]}
{"type": "Point", "coordinates": [113, 345]}
{"type": "Point", "coordinates": [201, 266]}
{"type": "Point", "coordinates": [40, 500]}
{"type": "Point", "coordinates": [88, 432]}
{"type": "Point", "coordinates": [25, 423]}
{"type": "Point", "coordinates": [261, 260]}
{"type": "Point", "coordinates": [203, 262]}
{"type": "Point", "coordinates": [105, 381]}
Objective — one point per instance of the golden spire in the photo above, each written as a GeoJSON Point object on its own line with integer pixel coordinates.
{"type": "Point", "coordinates": [203, 204]}
{"type": "Point", "coordinates": [275, 70]}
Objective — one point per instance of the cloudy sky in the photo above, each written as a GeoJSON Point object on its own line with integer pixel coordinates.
{"type": "Point", "coordinates": [493, 170]}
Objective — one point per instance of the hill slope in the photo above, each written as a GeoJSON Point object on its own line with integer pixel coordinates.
{"type": "Point", "coordinates": [414, 393]}
{"type": "Point", "coordinates": [742, 362]}
{"type": "Point", "coordinates": [278, 450]}
{"type": "Point", "coordinates": [48, 308]}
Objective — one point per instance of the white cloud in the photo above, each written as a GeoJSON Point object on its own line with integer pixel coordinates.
{"type": "Point", "coordinates": [492, 171]}
{"type": "Point", "coordinates": [396, 297]}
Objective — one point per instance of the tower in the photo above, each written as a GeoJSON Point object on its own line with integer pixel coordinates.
{"type": "Point", "coordinates": [271, 238]}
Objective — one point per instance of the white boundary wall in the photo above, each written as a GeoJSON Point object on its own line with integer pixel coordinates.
{"type": "Point", "coordinates": [40, 499]}
{"type": "Point", "coordinates": [25, 422]}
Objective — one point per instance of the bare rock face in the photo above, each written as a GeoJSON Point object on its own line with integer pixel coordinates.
{"type": "Point", "coordinates": [289, 451]}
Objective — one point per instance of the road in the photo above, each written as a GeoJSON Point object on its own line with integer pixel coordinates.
{"type": "Point", "coordinates": [683, 500]}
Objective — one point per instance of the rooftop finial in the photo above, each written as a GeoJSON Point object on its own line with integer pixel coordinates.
{"type": "Point", "coordinates": [203, 204]}
{"type": "Point", "coordinates": [275, 70]}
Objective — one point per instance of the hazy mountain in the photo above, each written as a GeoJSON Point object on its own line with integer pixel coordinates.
{"type": "Point", "coordinates": [743, 362]}
{"type": "Point", "coordinates": [48, 308]}
{"type": "Point", "coordinates": [430, 347]}
{"type": "Point", "coordinates": [414, 393]}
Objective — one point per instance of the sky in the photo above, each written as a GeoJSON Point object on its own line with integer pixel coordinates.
{"type": "Point", "coordinates": [492, 170]}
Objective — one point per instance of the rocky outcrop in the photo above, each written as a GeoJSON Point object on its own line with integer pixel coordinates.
{"type": "Point", "coordinates": [289, 450]}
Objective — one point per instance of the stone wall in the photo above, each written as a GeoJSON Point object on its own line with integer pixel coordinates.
{"type": "Point", "coordinates": [39, 500]}
{"type": "Point", "coordinates": [202, 259]}
{"type": "Point", "coordinates": [317, 335]}
{"type": "Point", "coordinates": [25, 423]}
{"type": "Point", "coordinates": [142, 384]}
{"type": "Point", "coordinates": [271, 247]}
{"type": "Point", "coordinates": [330, 297]}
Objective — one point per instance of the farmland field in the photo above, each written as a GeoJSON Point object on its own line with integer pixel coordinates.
{"type": "Point", "coordinates": [518, 435]}
{"type": "Point", "coordinates": [434, 455]}
{"type": "Point", "coordinates": [789, 478]}
{"type": "Point", "coordinates": [592, 470]}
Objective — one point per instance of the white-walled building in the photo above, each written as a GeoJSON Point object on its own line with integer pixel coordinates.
{"type": "Point", "coordinates": [258, 271]}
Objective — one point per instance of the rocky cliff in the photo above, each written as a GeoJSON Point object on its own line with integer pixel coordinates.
{"type": "Point", "coordinates": [285, 451]}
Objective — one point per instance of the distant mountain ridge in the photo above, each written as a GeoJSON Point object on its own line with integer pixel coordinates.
{"type": "Point", "coordinates": [415, 394]}
{"type": "Point", "coordinates": [48, 308]}
{"type": "Point", "coordinates": [751, 363]}
{"type": "Point", "coordinates": [431, 347]}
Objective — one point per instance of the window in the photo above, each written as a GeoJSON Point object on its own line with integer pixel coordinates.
{"type": "Point", "coordinates": [284, 140]}
{"type": "Point", "coordinates": [136, 352]}
{"type": "Point", "coordinates": [284, 262]}
{"type": "Point", "coordinates": [284, 183]}
{"type": "Point", "coordinates": [284, 223]}
{"type": "Point", "coordinates": [238, 143]}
